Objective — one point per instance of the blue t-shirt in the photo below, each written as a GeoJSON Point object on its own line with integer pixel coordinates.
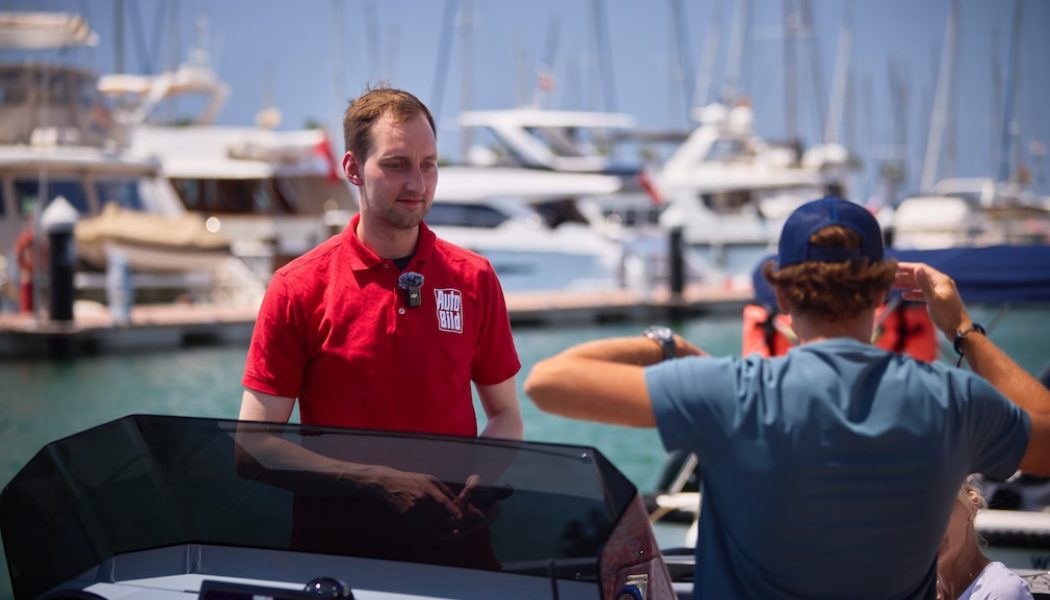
{"type": "Point", "coordinates": [829, 472]}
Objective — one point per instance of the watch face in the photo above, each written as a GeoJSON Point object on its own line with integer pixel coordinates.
{"type": "Point", "coordinates": [665, 337]}
{"type": "Point", "coordinates": [660, 333]}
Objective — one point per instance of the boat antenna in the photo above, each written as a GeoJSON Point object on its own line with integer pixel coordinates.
{"type": "Point", "coordinates": [545, 81]}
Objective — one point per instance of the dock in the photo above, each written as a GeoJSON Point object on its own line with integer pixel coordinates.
{"type": "Point", "coordinates": [171, 326]}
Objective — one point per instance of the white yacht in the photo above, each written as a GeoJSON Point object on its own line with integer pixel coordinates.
{"type": "Point", "coordinates": [526, 224]}
{"type": "Point", "coordinates": [730, 191]}
{"type": "Point", "coordinates": [274, 193]}
{"type": "Point", "coordinates": [971, 212]}
{"type": "Point", "coordinates": [566, 141]}
{"type": "Point", "coordinates": [58, 139]}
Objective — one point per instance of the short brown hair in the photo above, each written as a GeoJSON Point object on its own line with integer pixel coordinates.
{"type": "Point", "coordinates": [833, 290]}
{"type": "Point", "coordinates": [363, 111]}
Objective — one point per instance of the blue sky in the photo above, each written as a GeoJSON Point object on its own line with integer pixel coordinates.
{"type": "Point", "coordinates": [310, 56]}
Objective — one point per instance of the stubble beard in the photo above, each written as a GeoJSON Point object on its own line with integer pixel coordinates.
{"type": "Point", "coordinates": [399, 219]}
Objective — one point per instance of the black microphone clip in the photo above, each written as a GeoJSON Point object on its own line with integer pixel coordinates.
{"type": "Point", "coordinates": [411, 284]}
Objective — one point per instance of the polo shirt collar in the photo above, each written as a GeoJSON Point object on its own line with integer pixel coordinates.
{"type": "Point", "coordinates": [363, 258]}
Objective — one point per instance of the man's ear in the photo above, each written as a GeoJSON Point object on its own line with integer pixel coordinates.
{"type": "Point", "coordinates": [351, 168]}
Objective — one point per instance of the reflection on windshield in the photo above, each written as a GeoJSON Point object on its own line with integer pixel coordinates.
{"type": "Point", "coordinates": [151, 481]}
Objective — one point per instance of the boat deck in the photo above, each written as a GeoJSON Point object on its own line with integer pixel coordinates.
{"type": "Point", "coordinates": [160, 326]}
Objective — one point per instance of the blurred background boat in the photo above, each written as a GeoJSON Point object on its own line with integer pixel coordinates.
{"type": "Point", "coordinates": [58, 139]}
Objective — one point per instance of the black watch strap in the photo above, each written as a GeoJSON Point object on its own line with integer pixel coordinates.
{"type": "Point", "coordinates": [665, 337]}
{"type": "Point", "coordinates": [961, 335]}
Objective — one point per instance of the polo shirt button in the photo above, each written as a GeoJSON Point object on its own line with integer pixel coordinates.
{"type": "Point", "coordinates": [401, 311]}
{"type": "Point", "coordinates": [386, 266]}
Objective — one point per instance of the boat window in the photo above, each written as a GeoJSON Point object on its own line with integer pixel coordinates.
{"type": "Point", "coordinates": [314, 194]}
{"type": "Point", "coordinates": [728, 151]}
{"type": "Point", "coordinates": [145, 482]}
{"type": "Point", "coordinates": [231, 196]}
{"type": "Point", "coordinates": [125, 192]}
{"type": "Point", "coordinates": [27, 192]}
{"type": "Point", "coordinates": [733, 201]}
{"type": "Point", "coordinates": [454, 214]}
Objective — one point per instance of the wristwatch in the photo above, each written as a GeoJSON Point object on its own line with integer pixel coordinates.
{"type": "Point", "coordinates": [961, 335]}
{"type": "Point", "coordinates": [665, 337]}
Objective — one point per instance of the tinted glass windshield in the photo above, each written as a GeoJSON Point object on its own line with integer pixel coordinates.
{"type": "Point", "coordinates": [152, 481]}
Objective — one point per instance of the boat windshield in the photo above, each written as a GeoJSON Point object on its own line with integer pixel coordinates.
{"type": "Point", "coordinates": [144, 482]}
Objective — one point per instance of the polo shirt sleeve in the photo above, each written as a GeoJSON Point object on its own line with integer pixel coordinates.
{"type": "Point", "coordinates": [998, 428]}
{"type": "Point", "coordinates": [495, 357]}
{"type": "Point", "coordinates": [694, 402]}
{"type": "Point", "coordinates": [276, 355]}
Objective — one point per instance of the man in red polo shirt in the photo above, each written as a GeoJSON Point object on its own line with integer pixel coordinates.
{"type": "Point", "coordinates": [343, 330]}
{"type": "Point", "coordinates": [381, 327]}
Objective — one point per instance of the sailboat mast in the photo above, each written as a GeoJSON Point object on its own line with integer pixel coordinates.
{"type": "Point", "coordinates": [601, 31]}
{"type": "Point", "coordinates": [735, 60]}
{"type": "Point", "coordinates": [701, 95]}
{"type": "Point", "coordinates": [833, 122]}
{"type": "Point", "coordinates": [931, 163]}
{"type": "Point", "coordinates": [684, 73]}
{"type": "Point", "coordinates": [1010, 129]}
{"type": "Point", "coordinates": [466, 94]}
{"type": "Point", "coordinates": [437, 94]}
{"type": "Point", "coordinates": [790, 83]}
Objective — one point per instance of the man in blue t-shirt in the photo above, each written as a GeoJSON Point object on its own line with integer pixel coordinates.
{"type": "Point", "coordinates": [829, 472]}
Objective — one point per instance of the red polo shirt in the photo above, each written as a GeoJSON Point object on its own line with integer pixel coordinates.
{"type": "Point", "coordinates": [335, 332]}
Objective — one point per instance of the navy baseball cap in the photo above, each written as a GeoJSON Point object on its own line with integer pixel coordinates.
{"type": "Point", "coordinates": [813, 216]}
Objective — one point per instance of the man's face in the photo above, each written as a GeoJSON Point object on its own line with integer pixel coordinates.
{"type": "Point", "coordinates": [398, 178]}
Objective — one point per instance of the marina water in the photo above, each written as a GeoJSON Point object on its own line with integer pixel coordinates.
{"type": "Point", "coordinates": [46, 400]}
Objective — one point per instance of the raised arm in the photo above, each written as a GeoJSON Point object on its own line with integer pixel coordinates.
{"type": "Point", "coordinates": [949, 314]}
{"type": "Point", "coordinates": [602, 381]}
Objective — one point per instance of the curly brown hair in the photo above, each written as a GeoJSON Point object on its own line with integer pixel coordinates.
{"type": "Point", "coordinates": [365, 110]}
{"type": "Point", "coordinates": [834, 291]}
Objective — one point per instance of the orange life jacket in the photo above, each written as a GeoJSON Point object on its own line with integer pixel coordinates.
{"type": "Point", "coordinates": [907, 328]}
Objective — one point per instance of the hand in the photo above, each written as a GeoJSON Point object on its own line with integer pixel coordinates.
{"type": "Point", "coordinates": [479, 503]}
{"type": "Point", "coordinates": [686, 348]}
{"type": "Point", "coordinates": [421, 499]}
{"type": "Point", "coordinates": [943, 302]}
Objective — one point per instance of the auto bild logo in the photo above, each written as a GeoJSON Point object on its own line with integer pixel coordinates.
{"type": "Point", "coordinates": [449, 310]}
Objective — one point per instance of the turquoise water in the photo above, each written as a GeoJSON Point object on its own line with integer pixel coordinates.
{"type": "Point", "coordinates": [45, 400]}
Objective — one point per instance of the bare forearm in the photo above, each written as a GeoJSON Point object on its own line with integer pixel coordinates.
{"type": "Point", "coordinates": [577, 386]}
{"type": "Point", "coordinates": [988, 361]}
{"type": "Point", "coordinates": [638, 350]}
{"type": "Point", "coordinates": [506, 426]}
